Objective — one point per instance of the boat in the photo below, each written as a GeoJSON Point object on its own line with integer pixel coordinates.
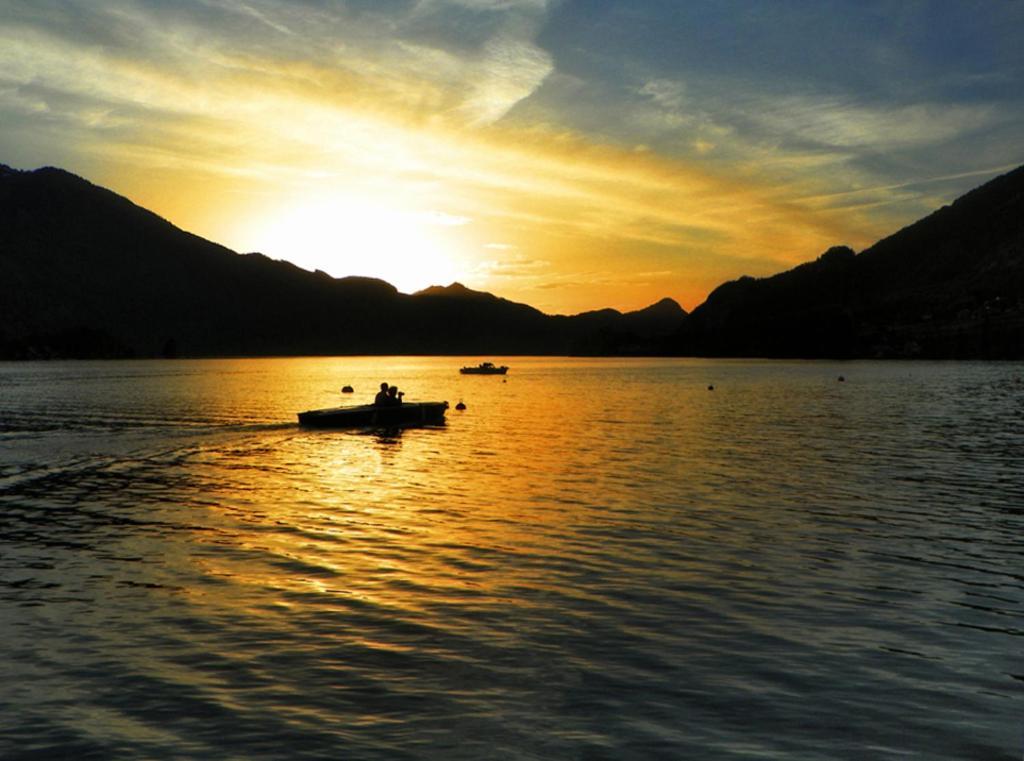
{"type": "Point", "coordinates": [374, 416]}
{"type": "Point", "coordinates": [484, 368]}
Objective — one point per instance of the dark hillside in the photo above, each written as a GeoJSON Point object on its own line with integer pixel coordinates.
{"type": "Point", "coordinates": [86, 273]}
{"type": "Point", "coordinates": [948, 286]}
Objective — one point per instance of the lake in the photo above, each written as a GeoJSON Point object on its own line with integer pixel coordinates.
{"type": "Point", "coordinates": [596, 559]}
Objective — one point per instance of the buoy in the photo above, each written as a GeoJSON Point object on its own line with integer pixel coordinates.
{"type": "Point", "coordinates": [711, 388]}
{"type": "Point", "coordinates": [842, 379]}
{"type": "Point", "coordinates": [347, 389]}
{"type": "Point", "coordinates": [460, 406]}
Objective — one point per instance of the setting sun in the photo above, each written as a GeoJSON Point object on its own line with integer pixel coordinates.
{"type": "Point", "coordinates": [345, 236]}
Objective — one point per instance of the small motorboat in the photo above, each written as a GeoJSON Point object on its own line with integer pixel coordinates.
{"type": "Point", "coordinates": [374, 416]}
{"type": "Point", "coordinates": [484, 368]}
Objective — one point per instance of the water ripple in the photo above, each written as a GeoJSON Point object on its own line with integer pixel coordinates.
{"type": "Point", "coordinates": [598, 559]}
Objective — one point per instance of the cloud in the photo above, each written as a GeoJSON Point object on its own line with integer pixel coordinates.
{"type": "Point", "coordinates": [306, 126]}
{"type": "Point", "coordinates": [666, 93]}
{"type": "Point", "coordinates": [249, 10]}
{"type": "Point", "coordinates": [518, 267]}
{"type": "Point", "coordinates": [881, 194]}
{"type": "Point", "coordinates": [511, 70]}
{"type": "Point", "coordinates": [601, 137]}
{"type": "Point", "coordinates": [840, 123]}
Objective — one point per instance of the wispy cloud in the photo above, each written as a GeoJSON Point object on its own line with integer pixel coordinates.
{"type": "Point", "coordinates": [840, 123]}
{"type": "Point", "coordinates": [255, 13]}
{"type": "Point", "coordinates": [654, 146]}
{"type": "Point", "coordinates": [518, 267]}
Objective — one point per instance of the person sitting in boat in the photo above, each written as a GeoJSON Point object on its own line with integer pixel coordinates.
{"type": "Point", "coordinates": [395, 396]}
{"type": "Point", "coordinates": [381, 399]}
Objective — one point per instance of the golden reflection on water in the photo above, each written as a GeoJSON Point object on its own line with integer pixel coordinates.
{"type": "Point", "coordinates": [598, 553]}
{"type": "Point", "coordinates": [467, 513]}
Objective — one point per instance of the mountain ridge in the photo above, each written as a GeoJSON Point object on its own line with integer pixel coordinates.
{"type": "Point", "coordinates": [86, 272]}
{"type": "Point", "coordinates": [948, 286]}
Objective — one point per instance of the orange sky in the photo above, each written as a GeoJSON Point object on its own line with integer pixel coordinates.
{"type": "Point", "coordinates": [472, 140]}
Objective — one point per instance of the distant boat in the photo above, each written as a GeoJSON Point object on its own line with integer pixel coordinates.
{"type": "Point", "coordinates": [373, 416]}
{"type": "Point", "coordinates": [484, 368]}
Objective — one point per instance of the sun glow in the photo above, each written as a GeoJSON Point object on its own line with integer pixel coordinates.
{"type": "Point", "coordinates": [343, 236]}
{"type": "Point", "coordinates": [360, 138]}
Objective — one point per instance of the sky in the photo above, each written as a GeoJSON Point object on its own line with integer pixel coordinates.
{"type": "Point", "coordinates": [569, 154]}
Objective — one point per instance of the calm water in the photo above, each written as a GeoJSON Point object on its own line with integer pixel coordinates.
{"type": "Point", "coordinates": [595, 560]}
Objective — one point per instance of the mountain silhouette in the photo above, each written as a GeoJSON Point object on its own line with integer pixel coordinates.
{"type": "Point", "coordinates": [85, 272]}
{"type": "Point", "coordinates": [948, 286]}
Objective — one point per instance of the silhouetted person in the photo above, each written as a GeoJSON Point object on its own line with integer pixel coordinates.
{"type": "Point", "coordinates": [381, 399]}
{"type": "Point", "coordinates": [395, 396]}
